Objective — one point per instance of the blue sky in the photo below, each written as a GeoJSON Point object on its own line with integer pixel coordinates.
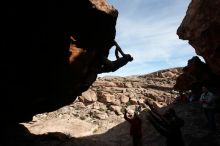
{"type": "Point", "coordinates": [146, 29]}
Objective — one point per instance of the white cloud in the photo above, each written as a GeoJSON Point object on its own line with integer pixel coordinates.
{"type": "Point", "coordinates": [150, 37]}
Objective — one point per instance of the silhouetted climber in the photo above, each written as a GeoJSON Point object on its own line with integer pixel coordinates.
{"type": "Point", "coordinates": [105, 65]}
{"type": "Point", "coordinates": [135, 128]}
{"type": "Point", "coordinates": [111, 66]}
{"type": "Point", "coordinates": [208, 103]}
{"type": "Point", "coordinates": [168, 125]}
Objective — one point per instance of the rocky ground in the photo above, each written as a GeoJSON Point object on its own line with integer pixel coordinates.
{"type": "Point", "coordinates": [96, 117]}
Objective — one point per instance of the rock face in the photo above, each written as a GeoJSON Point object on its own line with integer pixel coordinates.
{"type": "Point", "coordinates": [38, 73]}
{"type": "Point", "coordinates": [201, 26]}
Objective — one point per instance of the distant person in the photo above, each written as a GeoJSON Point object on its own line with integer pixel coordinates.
{"type": "Point", "coordinates": [135, 128]}
{"type": "Point", "coordinates": [168, 124]}
{"type": "Point", "coordinates": [191, 97]}
{"type": "Point", "coordinates": [207, 100]}
{"type": "Point", "coordinates": [182, 98]}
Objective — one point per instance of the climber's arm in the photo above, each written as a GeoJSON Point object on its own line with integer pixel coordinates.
{"type": "Point", "coordinates": [116, 53]}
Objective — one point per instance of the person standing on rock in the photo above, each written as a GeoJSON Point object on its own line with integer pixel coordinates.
{"type": "Point", "coordinates": [135, 128]}
{"type": "Point", "coordinates": [168, 125]}
{"type": "Point", "coordinates": [207, 100]}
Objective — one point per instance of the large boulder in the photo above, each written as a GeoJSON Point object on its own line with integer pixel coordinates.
{"type": "Point", "coordinates": [37, 71]}
{"type": "Point", "coordinates": [195, 72]}
{"type": "Point", "coordinates": [201, 26]}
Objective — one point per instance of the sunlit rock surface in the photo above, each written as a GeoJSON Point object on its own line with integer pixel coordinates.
{"type": "Point", "coordinates": [101, 121]}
